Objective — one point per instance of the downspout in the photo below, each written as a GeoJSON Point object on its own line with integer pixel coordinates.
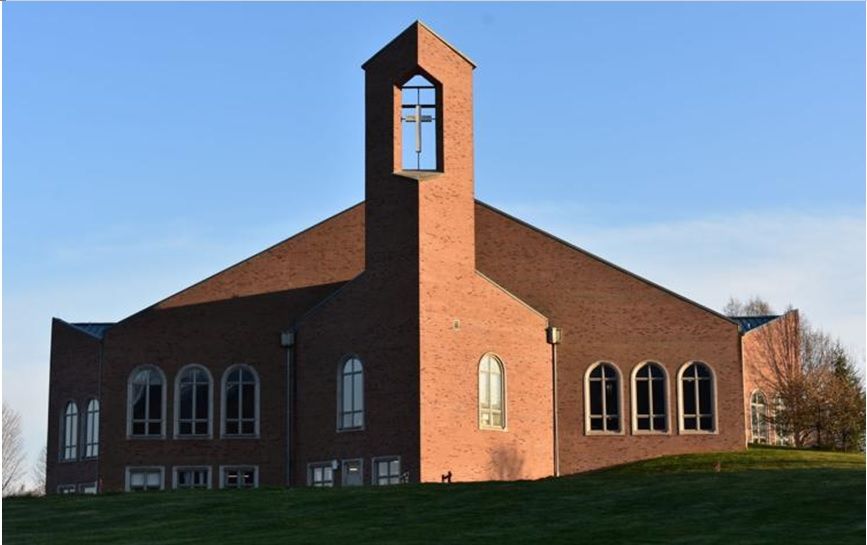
{"type": "Point", "coordinates": [98, 423]}
{"type": "Point", "coordinates": [287, 340]}
{"type": "Point", "coordinates": [553, 337]}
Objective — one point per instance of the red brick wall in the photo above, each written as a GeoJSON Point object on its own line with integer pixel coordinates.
{"type": "Point", "coordinates": [74, 376]}
{"type": "Point", "coordinates": [778, 339]}
{"type": "Point", "coordinates": [608, 314]}
{"type": "Point", "coordinates": [376, 319]}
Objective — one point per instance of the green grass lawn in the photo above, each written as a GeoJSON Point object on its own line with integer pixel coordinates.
{"type": "Point", "coordinates": [761, 496]}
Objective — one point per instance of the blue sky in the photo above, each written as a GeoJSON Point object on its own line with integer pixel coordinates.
{"type": "Point", "coordinates": [717, 149]}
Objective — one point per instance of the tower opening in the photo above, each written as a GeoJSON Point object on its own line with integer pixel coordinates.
{"type": "Point", "coordinates": [419, 117]}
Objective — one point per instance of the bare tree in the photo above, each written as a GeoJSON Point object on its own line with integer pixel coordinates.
{"type": "Point", "coordinates": [818, 397]}
{"type": "Point", "coordinates": [39, 472]}
{"type": "Point", "coordinates": [13, 450]}
{"type": "Point", "coordinates": [755, 306]}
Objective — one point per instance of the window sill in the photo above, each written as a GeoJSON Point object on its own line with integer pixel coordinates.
{"type": "Point", "coordinates": [418, 175]}
{"type": "Point", "coordinates": [146, 437]}
{"type": "Point", "coordinates": [202, 437]}
{"type": "Point", "coordinates": [651, 433]}
{"type": "Point", "coordinates": [698, 432]}
{"type": "Point", "coordinates": [493, 428]}
{"type": "Point", "coordinates": [239, 436]}
{"type": "Point", "coordinates": [600, 433]}
{"type": "Point", "coordinates": [345, 430]}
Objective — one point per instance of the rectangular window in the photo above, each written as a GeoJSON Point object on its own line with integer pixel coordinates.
{"type": "Point", "coordinates": [320, 474]}
{"type": "Point", "coordinates": [240, 477]}
{"type": "Point", "coordinates": [386, 471]}
{"type": "Point", "coordinates": [144, 478]}
{"type": "Point", "coordinates": [87, 488]}
{"type": "Point", "coordinates": [66, 489]}
{"type": "Point", "coordinates": [192, 477]}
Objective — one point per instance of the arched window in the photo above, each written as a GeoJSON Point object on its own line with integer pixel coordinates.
{"type": "Point", "coordinates": [193, 400]}
{"type": "Point", "coordinates": [492, 393]}
{"type": "Point", "coordinates": [240, 401]}
{"type": "Point", "coordinates": [758, 418]}
{"type": "Point", "coordinates": [350, 395]}
{"type": "Point", "coordinates": [70, 431]}
{"type": "Point", "coordinates": [602, 399]}
{"type": "Point", "coordinates": [147, 402]}
{"type": "Point", "coordinates": [91, 429]}
{"type": "Point", "coordinates": [697, 398]}
{"type": "Point", "coordinates": [649, 398]}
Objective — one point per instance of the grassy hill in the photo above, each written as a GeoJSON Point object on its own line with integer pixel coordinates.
{"type": "Point", "coordinates": [760, 496]}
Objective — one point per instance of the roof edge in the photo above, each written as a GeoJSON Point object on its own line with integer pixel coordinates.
{"type": "Point", "coordinates": [77, 326]}
{"type": "Point", "coordinates": [608, 263]}
{"type": "Point", "coordinates": [513, 296]}
{"type": "Point", "coordinates": [419, 23]}
{"type": "Point", "coordinates": [246, 259]}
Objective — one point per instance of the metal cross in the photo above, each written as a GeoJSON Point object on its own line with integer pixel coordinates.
{"type": "Point", "coordinates": [418, 118]}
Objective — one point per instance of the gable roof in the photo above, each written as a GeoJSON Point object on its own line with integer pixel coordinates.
{"type": "Point", "coordinates": [416, 25]}
{"type": "Point", "coordinates": [604, 262]}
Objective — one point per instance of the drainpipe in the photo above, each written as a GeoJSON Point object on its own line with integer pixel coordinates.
{"type": "Point", "coordinates": [552, 335]}
{"type": "Point", "coordinates": [287, 340]}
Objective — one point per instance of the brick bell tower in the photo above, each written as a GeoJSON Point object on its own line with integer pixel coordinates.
{"type": "Point", "coordinates": [419, 156]}
{"type": "Point", "coordinates": [420, 244]}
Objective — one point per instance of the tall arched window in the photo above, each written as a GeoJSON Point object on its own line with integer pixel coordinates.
{"type": "Point", "coordinates": [70, 432]}
{"type": "Point", "coordinates": [147, 402]}
{"type": "Point", "coordinates": [91, 429]}
{"type": "Point", "coordinates": [758, 418]}
{"type": "Point", "coordinates": [697, 398]}
{"type": "Point", "coordinates": [193, 400]}
{"type": "Point", "coordinates": [492, 393]}
{"type": "Point", "coordinates": [240, 401]}
{"type": "Point", "coordinates": [649, 398]}
{"type": "Point", "coordinates": [350, 395]}
{"type": "Point", "coordinates": [602, 399]}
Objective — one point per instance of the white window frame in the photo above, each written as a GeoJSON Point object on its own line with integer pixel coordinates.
{"type": "Point", "coordinates": [680, 429]}
{"type": "Point", "coordinates": [258, 397]}
{"type": "Point", "coordinates": [328, 464]}
{"type": "Point", "coordinates": [763, 416]}
{"type": "Point", "coordinates": [66, 489]}
{"type": "Point", "coordinates": [84, 487]}
{"type": "Point", "coordinates": [91, 429]}
{"type": "Point", "coordinates": [69, 441]}
{"type": "Point", "coordinates": [178, 469]}
{"type": "Point", "coordinates": [603, 432]}
{"type": "Point", "coordinates": [503, 392]}
{"type": "Point", "coordinates": [374, 477]}
{"type": "Point", "coordinates": [340, 408]}
{"type": "Point", "coordinates": [343, 472]}
{"type": "Point", "coordinates": [149, 469]}
{"type": "Point", "coordinates": [239, 467]}
{"type": "Point", "coordinates": [177, 416]}
{"type": "Point", "coordinates": [129, 404]}
{"type": "Point", "coordinates": [633, 383]}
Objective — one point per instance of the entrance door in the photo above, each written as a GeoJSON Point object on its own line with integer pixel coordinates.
{"type": "Point", "coordinates": [352, 474]}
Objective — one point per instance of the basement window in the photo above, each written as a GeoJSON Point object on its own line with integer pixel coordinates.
{"type": "Point", "coordinates": [419, 125]}
{"type": "Point", "coordinates": [144, 478]}
{"type": "Point", "coordinates": [320, 475]}
{"type": "Point", "coordinates": [240, 477]}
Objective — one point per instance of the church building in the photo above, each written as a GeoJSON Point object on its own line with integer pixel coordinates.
{"type": "Point", "coordinates": [418, 336]}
